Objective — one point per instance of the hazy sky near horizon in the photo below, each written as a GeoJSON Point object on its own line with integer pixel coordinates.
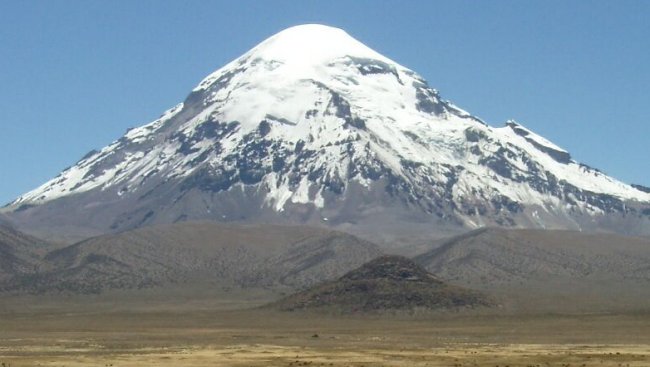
{"type": "Point", "coordinates": [74, 75]}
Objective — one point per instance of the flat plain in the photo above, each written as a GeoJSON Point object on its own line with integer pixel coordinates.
{"type": "Point", "coordinates": [216, 329]}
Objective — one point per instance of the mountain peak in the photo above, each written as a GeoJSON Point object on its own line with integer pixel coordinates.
{"type": "Point", "coordinates": [300, 53]}
{"type": "Point", "coordinates": [312, 44]}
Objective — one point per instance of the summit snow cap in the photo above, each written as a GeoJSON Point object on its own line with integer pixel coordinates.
{"type": "Point", "coordinates": [312, 44]}
{"type": "Point", "coordinates": [302, 52]}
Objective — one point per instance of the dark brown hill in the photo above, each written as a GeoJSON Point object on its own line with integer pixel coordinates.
{"type": "Point", "coordinates": [387, 283]}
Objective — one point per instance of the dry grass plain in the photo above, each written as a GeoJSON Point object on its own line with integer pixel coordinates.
{"type": "Point", "coordinates": [154, 331]}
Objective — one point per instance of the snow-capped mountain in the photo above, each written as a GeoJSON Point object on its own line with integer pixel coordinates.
{"type": "Point", "coordinates": [313, 126]}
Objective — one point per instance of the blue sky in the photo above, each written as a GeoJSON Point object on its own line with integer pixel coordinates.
{"type": "Point", "coordinates": [74, 75]}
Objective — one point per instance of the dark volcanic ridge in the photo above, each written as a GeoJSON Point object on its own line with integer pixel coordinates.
{"type": "Point", "coordinates": [492, 256]}
{"type": "Point", "coordinates": [557, 271]}
{"type": "Point", "coordinates": [19, 253]}
{"type": "Point", "coordinates": [553, 271]}
{"type": "Point", "coordinates": [387, 283]}
{"type": "Point", "coordinates": [201, 254]}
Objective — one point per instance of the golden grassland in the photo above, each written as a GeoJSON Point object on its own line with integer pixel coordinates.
{"type": "Point", "coordinates": [134, 334]}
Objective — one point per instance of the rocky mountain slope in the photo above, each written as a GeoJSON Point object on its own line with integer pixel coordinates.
{"type": "Point", "coordinates": [311, 126]}
{"type": "Point", "coordinates": [202, 254]}
{"type": "Point", "coordinates": [387, 283]}
{"type": "Point", "coordinates": [19, 253]}
{"type": "Point", "coordinates": [548, 269]}
{"type": "Point", "coordinates": [525, 270]}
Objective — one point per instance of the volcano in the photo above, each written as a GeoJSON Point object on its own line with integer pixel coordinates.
{"type": "Point", "coordinates": [313, 127]}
